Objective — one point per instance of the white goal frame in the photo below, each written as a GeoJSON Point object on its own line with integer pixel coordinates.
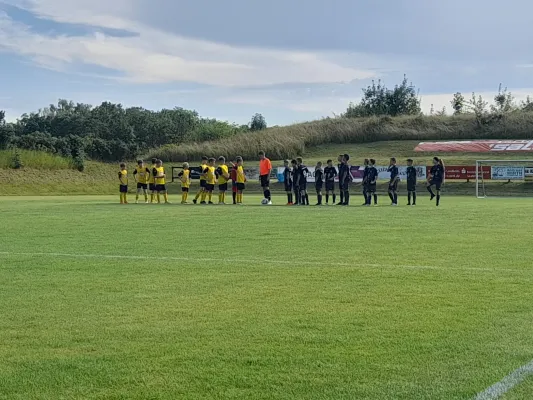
{"type": "Point", "coordinates": [479, 173]}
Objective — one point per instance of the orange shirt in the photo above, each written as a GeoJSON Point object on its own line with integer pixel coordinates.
{"type": "Point", "coordinates": [265, 166]}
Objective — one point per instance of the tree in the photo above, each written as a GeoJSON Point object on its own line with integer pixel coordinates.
{"type": "Point", "coordinates": [258, 123]}
{"type": "Point", "coordinates": [503, 102]}
{"type": "Point", "coordinates": [458, 103]}
{"type": "Point", "coordinates": [378, 100]}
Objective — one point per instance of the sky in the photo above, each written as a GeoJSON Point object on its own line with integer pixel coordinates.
{"type": "Point", "coordinates": [291, 60]}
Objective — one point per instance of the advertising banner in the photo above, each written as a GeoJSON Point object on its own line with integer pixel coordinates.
{"type": "Point", "coordinates": [358, 171]}
{"type": "Point", "coordinates": [508, 173]}
{"type": "Point", "coordinates": [467, 172]}
{"type": "Point", "coordinates": [477, 146]}
{"type": "Point", "coordinates": [528, 171]}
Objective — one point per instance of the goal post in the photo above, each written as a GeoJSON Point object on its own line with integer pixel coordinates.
{"type": "Point", "coordinates": [492, 172]}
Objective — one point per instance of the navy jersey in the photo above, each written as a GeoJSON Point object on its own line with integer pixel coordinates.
{"type": "Point", "coordinates": [295, 176]}
{"type": "Point", "coordinates": [365, 174]}
{"type": "Point", "coordinates": [437, 173]}
{"type": "Point", "coordinates": [329, 174]}
{"type": "Point", "coordinates": [393, 170]}
{"type": "Point", "coordinates": [411, 175]}
{"type": "Point", "coordinates": [287, 176]}
{"type": "Point", "coordinates": [319, 176]}
{"type": "Point", "coordinates": [302, 174]}
{"type": "Point", "coordinates": [372, 175]}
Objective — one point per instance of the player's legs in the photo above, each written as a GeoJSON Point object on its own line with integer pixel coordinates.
{"type": "Point", "coordinates": [319, 196]}
{"type": "Point", "coordinates": [346, 195]}
{"type": "Point", "coordinates": [430, 190]}
{"type": "Point", "coordinates": [341, 194]}
{"type": "Point", "coordinates": [438, 186]}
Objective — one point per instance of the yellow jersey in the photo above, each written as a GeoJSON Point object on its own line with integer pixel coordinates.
{"type": "Point", "coordinates": [223, 174]}
{"type": "Point", "coordinates": [159, 172]}
{"type": "Point", "coordinates": [123, 176]}
{"type": "Point", "coordinates": [142, 174]}
{"type": "Point", "coordinates": [240, 174]}
{"type": "Point", "coordinates": [152, 178]}
{"type": "Point", "coordinates": [209, 173]}
{"type": "Point", "coordinates": [202, 168]}
{"type": "Point", "coordinates": [185, 177]}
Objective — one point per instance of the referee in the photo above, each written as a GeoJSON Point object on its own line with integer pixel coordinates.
{"type": "Point", "coordinates": [265, 167]}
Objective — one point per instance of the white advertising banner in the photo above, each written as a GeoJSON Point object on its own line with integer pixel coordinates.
{"type": "Point", "coordinates": [528, 171]}
{"type": "Point", "coordinates": [508, 173]}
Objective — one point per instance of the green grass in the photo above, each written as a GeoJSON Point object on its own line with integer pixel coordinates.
{"type": "Point", "coordinates": [35, 159]}
{"type": "Point", "coordinates": [262, 302]}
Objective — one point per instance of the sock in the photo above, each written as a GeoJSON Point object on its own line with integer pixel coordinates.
{"type": "Point", "coordinates": [327, 198]}
{"type": "Point", "coordinates": [234, 194]}
{"type": "Point", "coordinates": [210, 196]}
{"type": "Point", "coordinates": [375, 199]}
{"type": "Point", "coordinates": [289, 198]}
{"type": "Point", "coordinates": [395, 197]}
{"type": "Point", "coordinates": [223, 197]}
{"type": "Point", "coordinates": [346, 197]}
{"type": "Point", "coordinates": [414, 197]}
{"type": "Point", "coordinates": [198, 195]}
{"type": "Point", "coordinates": [319, 199]}
{"type": "Point", "coordinates": [306, 199]}
{"type": "Point", "coordinates": [342, 197]}
{"type": "Point", "coordinates": [334, 198]}
{"type": "Point", "coordinates": [240, 197]}
{"type": "Point", "coordinates": [183, 197]}
{"type": "Point", "coordinates": [203, 196]}
{"type": "Point", "coordinates": [121, 198]}
{"type": "Point", "coordinates": [152, 197]}
{"type": "Point", "coordinates": [369, 199]}
{"type": "Point", "coordinates": [430, 191]}
{"type": "Point", "coordinates": [268, 195]}
{"type": "Point", "coordinates": [296, 198]}
{"type": "Point", "coordinates": [408, 197]}
{"type": "Point", "coordinates": [438, 199]}
{"type": "Point", "coordinates": [391, 197]}
{"type": "Point", "coordinates": [158, 198]}
{"type": "Point", "coordinates": [165, 196]}
{"type": "Point", "coordinates": [220, 197]}
{"type": "Point", "coordinates": [145, 196]}
{"type": "Point", "coordinates": [137, 197]}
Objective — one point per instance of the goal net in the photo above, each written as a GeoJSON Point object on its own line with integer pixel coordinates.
{"type": "Point", "coordinates": [497, 178]}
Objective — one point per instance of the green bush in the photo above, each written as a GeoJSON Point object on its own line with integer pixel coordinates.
{"type": "Point", "coordinates": [16, 161]}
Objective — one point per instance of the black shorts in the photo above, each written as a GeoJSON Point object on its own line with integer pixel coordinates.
{"type": "Point", "coordinates": [288, 188]}
{"type": "Point", "coordinates": [223, 187]}
{"type": "Point", "coordinates": [265, 180]}
{"type": "Point", "coordinates": [318, 187]}
{"type": "Point", "coordinates": [411, 186]}
{"type": "Point", "coordinates": [371, 188]}
{"type": "Point", "coordinates": [437, 184]}
{"type": "Point", "coordinates": [160, 188]}
{"type": "Point", "coordinates": [330, 186]}
{"type": "Point", "coordinates": [302, 186]}
{"type": "Point", "coordinates": [209, 187]}
{"type": "Point", "coordinates": [142, 186]}
{"type": "Point", "coordinates": [184, 189]}
{"type": "Point", "coordinates": [123, 189]}
{"type": "Point", "coordinates": [202, 183]}
{"type": "Point", "coordinates": [241, 186]}
{"type": "Point", "coordinates": [393, 186]}
{"type": "Point", "coordinates": [151, 186]}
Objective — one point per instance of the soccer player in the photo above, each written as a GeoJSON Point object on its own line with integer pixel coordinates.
{"type": "Point", "coordinates": [123, 178]}
{"type": "Point", "coordinates": [319, 182]}
{"type": "Point", "coordinates": [365, 178]}
{"type": "Point", "coordinates": [411, 183]}
{"type": "Point", "coordinates": [372, 179]}
{"type": "Point", "coordinates": [302, 181]}
{"type": "Point", "coordinates": [201, 191]}
{"type": "Point", "coordinates": [393, 183]}
{"type": "Point", "coordinates": [329, 175]}
{"type": "Point", "coordinates": [436, 177]}
{"type": "Point", "coordinates": [241, 180]}
{"type": "Point", "coordinates": [233, 175]}
{"type": "Point", "coordinates": [185, 178]}
{"type": "Point", "coordinates": [287, 180]}
{"type": "Point", "coordinates": [210, 181]}
{"type": "Point", "coordinates": [295, 182]}
{"type": "Point", "coordinates": [160, 181]}
{"type": "Point", "coordinates": [222, 173]}
{"type": "Point", "coordinates": [265, 167]}
{"type": "Point", "coordinates": [341, 187]}
{"type": "Point", "coordinates": [345, 177]}
{"type": "Point", "coordinates": [141, 174]}
{"type": "Point", "coordinates": [151, 181]}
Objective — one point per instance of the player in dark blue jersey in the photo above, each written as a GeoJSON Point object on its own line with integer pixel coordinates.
{"type": "Point", "coordinates": [329, 176]}
{"type": "Point", "coordinates": [302, 181]}
{"type": "Point", "coordinates": [365, 179]}
{"type": "Point", "coordinates": [393, 183]}
{"type": "Point", "coordinates": [341, 190]}
{"type": "Point", "coordinates": [319, 182]}
{"type": "Point", "coordinates": [436, 178]}
{"type": "Point", "coordinates": [411, 183]}
{"type": "Point", "coordinates": [372, 179]}
{"type": "Point", "coordinates": [295, 182]}
{"type": "Point", "coordinates": [345, 177]}
{"type": "Point", "coordinates": [287, 181]}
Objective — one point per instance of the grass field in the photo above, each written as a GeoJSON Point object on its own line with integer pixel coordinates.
{"type": "Point", "coordinates": [103, 301]}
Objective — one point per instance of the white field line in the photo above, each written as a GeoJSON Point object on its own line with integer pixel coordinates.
{"type": "Point", "coordinates": [510, 381]}
{"type": "Point", "coordinates": [253, 261]}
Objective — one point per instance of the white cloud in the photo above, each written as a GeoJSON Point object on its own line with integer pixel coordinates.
{"type": "Point", "coordinates": [153, 56]}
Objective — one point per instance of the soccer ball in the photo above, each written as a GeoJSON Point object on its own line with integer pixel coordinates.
{"type": "Point", "coordinates": [264, 202]}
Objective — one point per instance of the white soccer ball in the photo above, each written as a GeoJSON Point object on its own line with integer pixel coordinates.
{"type": "Point", "coordinates": [264, 202]}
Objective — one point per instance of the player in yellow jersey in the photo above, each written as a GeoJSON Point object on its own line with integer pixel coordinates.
{"type": "Point", "coordinates": [223, 178]}
{"type": "Point", "coordinates": [210, 181]}
{"type": "Point", "coordinates": [123, 178]}
{"type": "Point", "coordinates": [202, 180]}
{"type": "Point", "coordinates": [185, 178]}
{"type": "Point", "coordinates": [160, 181]}
{"type": "Point", "coordinates": [141, 173]}
{"type": "Point", "coordinates": [151, 181]}
{"type": "Point", "coordinates": [241, 179]}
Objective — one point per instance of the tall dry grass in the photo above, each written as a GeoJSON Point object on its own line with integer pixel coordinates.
{"type": "Point", "coordinates": [35, 159]}
{"type": "Point", "coordinates": [283, 142]}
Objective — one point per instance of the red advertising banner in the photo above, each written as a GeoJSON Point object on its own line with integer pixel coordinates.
{"type": "Point", "coordinates": [477, 146]}
{"type": "Point", "coordinates": [465, 172]}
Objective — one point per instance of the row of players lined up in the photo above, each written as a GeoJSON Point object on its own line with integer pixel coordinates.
{"type": "Point", "coordinates": [295, 181]}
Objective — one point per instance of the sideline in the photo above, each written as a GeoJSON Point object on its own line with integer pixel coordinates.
{"type": "Point", "coordinates": [509, 382]}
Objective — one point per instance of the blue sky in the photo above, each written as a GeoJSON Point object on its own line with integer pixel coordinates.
{"type": "Point", "coordinates": [289, 60]}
